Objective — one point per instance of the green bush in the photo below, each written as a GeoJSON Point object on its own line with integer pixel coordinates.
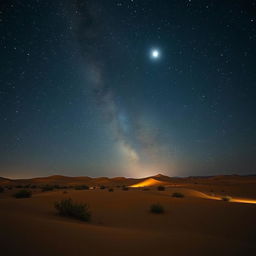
{"type": "Point", "coordinates": [157, 208]}
{"type": "Point", "coordinates": [23, 194]}
{"type": "Point", "coordinates": [226, 198]}
{"type": "Point", "coordinates": [177, 194]}
{"type": "Point", "coordinates": [68, 208]}
{"type": "Point", "coordinates": [82, 187]}
{"type": "Point", "coordinates": [160, 188]}
{"type": "Point", "coordinates": [1, 190]}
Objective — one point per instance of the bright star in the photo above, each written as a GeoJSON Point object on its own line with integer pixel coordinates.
{"type": "Point", "coordinates": [155, 54]}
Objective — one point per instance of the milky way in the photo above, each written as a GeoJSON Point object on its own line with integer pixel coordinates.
{"type": "Point", "coordinates": [134, 138]}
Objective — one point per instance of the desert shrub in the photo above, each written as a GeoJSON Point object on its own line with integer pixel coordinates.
{"type": "Point", "coordinates": [102, 187]}
{"type": "Point", "coordinates": [145, 189]}
{"type": "Point", "coordinates": [82, 187]}
{"type": "Point", "coordinates": [125, 188]}
{"type": "Point", "coordinates": [160, 188]}
{"type": "Point", "coordinates": [177, 194]}
{"type": "Point", "coordinates": [19, 186]}
{"type": "Point", "coordinates": [9, 187]}
{"type": "Point", "coordinates": [157, 208]}
{"type": "Point", "coordinates": [68, 208]}
{"type": "Point", "coordinates": [1, 190]}
{"type": "Point", "coordinates": [65, 192]}
{"type": "Point", "coordinates": [23, 194]}
{"type": "Point", "coordinates": [226, 198]}
{"type": "Point", "coordinates": [33, 186]}
{"type": "Point", "coordinates": [110, 190]}
{"type": "Point", "coordinates": [47, 188]}
{"type": "Point", "coordinates": [57, 186]}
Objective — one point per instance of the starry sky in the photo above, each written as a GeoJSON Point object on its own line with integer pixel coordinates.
{"type": "Point", "coordinates": [82, 92]}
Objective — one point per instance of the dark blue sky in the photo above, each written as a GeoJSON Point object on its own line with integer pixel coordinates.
{"type": "Point", "coordinates": [81, 95]}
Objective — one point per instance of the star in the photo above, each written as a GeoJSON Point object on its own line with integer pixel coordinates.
{"type": "Point", "coordinates": [155, 54]}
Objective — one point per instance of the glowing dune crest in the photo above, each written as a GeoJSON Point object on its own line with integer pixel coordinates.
{"type": "Point", "coordinates": [147, 183]}
{"type": "Point", "coordinates": [245, 201]}
{"type": "Point", "coordinates": [233, 200]}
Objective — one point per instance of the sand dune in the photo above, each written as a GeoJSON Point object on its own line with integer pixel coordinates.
{"type": "Point", "coordinates": [198, 224]}
{"type": "Point", "coordinates": [148, 183]}
{"type": "Point", "coordinates": [65, 180]}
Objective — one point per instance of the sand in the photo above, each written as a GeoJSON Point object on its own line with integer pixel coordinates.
{"type": "Point", "coordinates": [122, 224]}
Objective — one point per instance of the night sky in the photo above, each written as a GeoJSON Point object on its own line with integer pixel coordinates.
{"type": "Point", "coordinates": [127, 87]}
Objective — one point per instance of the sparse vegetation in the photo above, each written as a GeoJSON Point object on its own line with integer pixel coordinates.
{"type": "Point", "coordinates": [82, 187]}
{"type": "Point", "coordinates": [125, 188]}
{"type": "Point", "coordinates": [177, 194]}
{"type": "Point", "coordinates": [102, 187]}
{"type": "Point", "coordinates": [68, 208]}
{"type": "Point", "coordinates": [23, 194]}
{"type": "Point", "coordinates": [110, 190]}
{"type": "Point", "coordinates": [47, 188]}
{"type": "Point", "coordinates": [226, 198]}
{"type": "Point", "coordinates": [145, 189]}
{"type": "Point", "coordinates": [57, 186]}
{"type": "Point", "coordinates": [156, 208]}
{"type": "Point", "coordinates": [1, 190]}
{"type": "Point", "coordinates": [160, 188]}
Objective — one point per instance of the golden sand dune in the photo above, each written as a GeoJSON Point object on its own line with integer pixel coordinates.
{"type": "Point", "coordinates": [217, 183]}
{"type": "Point", "coordinates": [198, 194]}
{"type": "Point", "coordinates": [123, 225]}
{"type": "Point", "coordinates": [200, 223]}
{"type": "Point", "coordinates": [148, 183]}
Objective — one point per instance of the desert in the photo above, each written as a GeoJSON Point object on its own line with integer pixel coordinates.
{"type": "Point", "coordinates": [127, 128]}
{"type": "Point", "coordinates": [199, 223]}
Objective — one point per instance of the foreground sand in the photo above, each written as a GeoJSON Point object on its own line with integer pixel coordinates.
{"type": "Point", "coordinates": [122, 225]}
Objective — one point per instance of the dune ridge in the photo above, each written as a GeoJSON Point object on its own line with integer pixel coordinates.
{"type": "Point", "coordinates": [148, 183]}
